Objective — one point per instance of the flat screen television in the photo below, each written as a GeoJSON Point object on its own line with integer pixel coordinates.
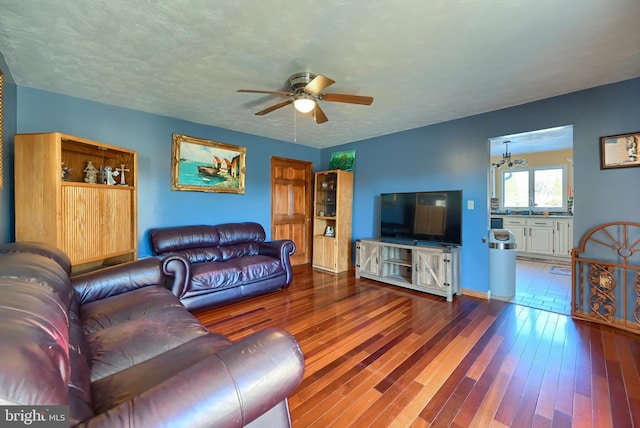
{"type": "Point", "coordinates": [433, 217]}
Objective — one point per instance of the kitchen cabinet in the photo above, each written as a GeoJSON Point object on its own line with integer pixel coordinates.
{"type": "Point", "coordinates": [517, 226]}
{"type": "Point", "coordinates": [541, 235]}
{"type": "Point", "coordinates": [563, 238]}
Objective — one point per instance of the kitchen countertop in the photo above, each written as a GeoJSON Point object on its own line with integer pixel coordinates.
{"type": "Point", "coordinates": [534, 215]}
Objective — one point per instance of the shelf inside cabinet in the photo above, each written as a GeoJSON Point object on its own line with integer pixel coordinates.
{"type": "Point", "coordinates": [401, 262]}
{"type": "Point", "coordinates": [75, 155]}
{"type": "Point", "coordinates": [399, 278]}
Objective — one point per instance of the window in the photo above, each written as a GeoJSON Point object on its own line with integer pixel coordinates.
{"type": "Point", "coordinates": [539, 189]}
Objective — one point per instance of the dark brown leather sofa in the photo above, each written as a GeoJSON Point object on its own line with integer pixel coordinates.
{"type": "Point", "coordinates": [219, 264]}
{"type": "Point", "coordinates": [120, 350]}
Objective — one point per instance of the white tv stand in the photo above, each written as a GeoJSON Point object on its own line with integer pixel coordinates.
{"type": "Point", "coordinates": [432, 269]}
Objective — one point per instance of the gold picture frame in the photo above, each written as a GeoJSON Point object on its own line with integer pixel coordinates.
{"type": "Point", "coordinates": [207, 166]}
{"type": "Point", "coordinates": [619, 151]}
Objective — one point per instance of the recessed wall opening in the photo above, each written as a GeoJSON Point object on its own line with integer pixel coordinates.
{"type": "Point", "coordinates": [531, 188]}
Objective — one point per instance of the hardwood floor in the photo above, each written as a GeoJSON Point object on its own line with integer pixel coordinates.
{"type": "Point", "coordinates": [380, 356]}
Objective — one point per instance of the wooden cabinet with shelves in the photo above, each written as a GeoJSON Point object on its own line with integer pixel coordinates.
{"type": "Point", "coordinates": [333, 200]}
{"type": "Point", "coordinates": [94, 223]}
{"type": "Point", "coordinates": [434, 270]}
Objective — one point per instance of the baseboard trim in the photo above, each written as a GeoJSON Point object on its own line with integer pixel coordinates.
{"type": "Point", "coordinates": [475, 293]}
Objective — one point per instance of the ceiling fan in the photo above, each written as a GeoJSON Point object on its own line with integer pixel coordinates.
{"type": "Point", "coordinates": [306, 91]}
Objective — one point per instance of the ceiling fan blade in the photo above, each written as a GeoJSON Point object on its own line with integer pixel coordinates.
{"type": "Point", "coordinates": [318, 84]}
{"type": "Point", "coordinates": [346, 98]}
{"type": "Point", "coordinates": [319, 115]}
{"type": "Point", "coordinates": [273, 107]}
{"type": "Point", "coordinates": [255, 91]}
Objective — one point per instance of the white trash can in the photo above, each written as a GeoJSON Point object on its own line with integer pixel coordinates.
{"type": "Point", "coordinates": [502, 263]}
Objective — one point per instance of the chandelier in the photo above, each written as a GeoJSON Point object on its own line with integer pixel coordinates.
{"type": "Point", "coordinates": [506, 159]}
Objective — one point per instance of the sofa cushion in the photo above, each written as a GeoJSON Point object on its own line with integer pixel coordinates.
{"type": "Point", "coordinates": [41, 249]}
{"type": "Point", "coordinates": [198, 255]}
{"type": "Point", "coordinates": [171, 239]}
{"type": "Point", "coordinates": [132, 342]}
{"type": "Point", "coordinates": [255, 268]}
{"type": "Point", "coordinates": [119, 387]}
{"type": "Point", "coordinates": [40, 270]}
{"type": "Point", "coordinates": [34, 355]}
{"type": "Point", "coordinates": [79, 394]}
{"type": "Point", "coordinates": [101, 314]}
{"type": "Point", "coordinates": [237, 233]}
{"type": "Point", "coordinates": [240, 250]}
{"type": "Point", "coordinates": [209, 276]}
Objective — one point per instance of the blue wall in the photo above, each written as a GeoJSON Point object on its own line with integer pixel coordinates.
{"type": "Point", "coordinates": [151, 136]}
{"type": "Point", "coordinates": [455, 155]}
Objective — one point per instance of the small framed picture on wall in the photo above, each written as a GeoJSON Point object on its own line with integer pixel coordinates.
{"type": "Point", "coordinates": [619, 151]}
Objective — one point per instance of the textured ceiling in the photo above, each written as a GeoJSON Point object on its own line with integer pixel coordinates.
{"type": "Point", "coordinates": [540, 140]}
{"type": "Point", "coordinates": [423, 61]}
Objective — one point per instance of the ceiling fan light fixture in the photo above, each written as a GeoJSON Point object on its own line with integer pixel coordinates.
{"type": "Point", "coordinates": [304, 103]}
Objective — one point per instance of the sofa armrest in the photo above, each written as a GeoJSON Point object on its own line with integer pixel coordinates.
{"type": "Point", "coordinates": [178, 268]}
{"type": "Point", "coordinates": [118, 279]}
{"type": "Point", "coordinates": [230, 389]}
{"type": "Point", "coordinates": [283, 250]}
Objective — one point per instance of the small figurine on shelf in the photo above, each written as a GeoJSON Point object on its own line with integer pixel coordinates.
{"type": "Point", "coordinates": [122, 170]}
{"type": "Point", "coordinates": [66, 172]}
{"type": "Point", "coordinates": [109, 173]}
{"type": "Point", "coordinates": [91, 173]}
{"type": "Point", "coordinates": [330, 231]}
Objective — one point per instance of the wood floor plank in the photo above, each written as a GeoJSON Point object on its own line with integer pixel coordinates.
{"type": "Point", "coordinates": [378, 355]}
{"type": "Point", "coordinates": [600, 402]}
{"type": "Point", "coordinates": [620, 412]}
{"type": "Point", "coordinates": [575, 368]}
{"type": "Point", "coordinates": [524, 350]}
{"type": "Point", "coordinates": [487, 410]}
{"type": "Point", "coordinates": [545, 406]}
{"type": "Point", "coordinates": [631, 378]}
{"type": "Point", "coordinates": [525, 412]}
{"type": "Point", "coordinates": [582, 411]}
{"type": "Point", "coordinates": [483, 360]}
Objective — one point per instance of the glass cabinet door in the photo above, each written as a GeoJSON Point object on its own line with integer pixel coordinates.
{"type": "Point", "coordinates": [326, 191]}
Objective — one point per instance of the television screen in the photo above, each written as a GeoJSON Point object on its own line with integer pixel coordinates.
{"type": "Point", "coordinates": [422, 217]}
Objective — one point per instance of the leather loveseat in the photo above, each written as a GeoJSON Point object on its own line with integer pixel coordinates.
{"type": "Point", "coordinates": [221, 264]}
{"type": "Point", "coordinates": [120, 350]}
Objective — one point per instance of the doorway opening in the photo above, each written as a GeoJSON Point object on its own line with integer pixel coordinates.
{"type": "Point", "coordinates": [531, 188]}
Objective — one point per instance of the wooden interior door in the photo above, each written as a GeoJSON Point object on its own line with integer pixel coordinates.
{"type": "Point", "coordinates": [291, 187]}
